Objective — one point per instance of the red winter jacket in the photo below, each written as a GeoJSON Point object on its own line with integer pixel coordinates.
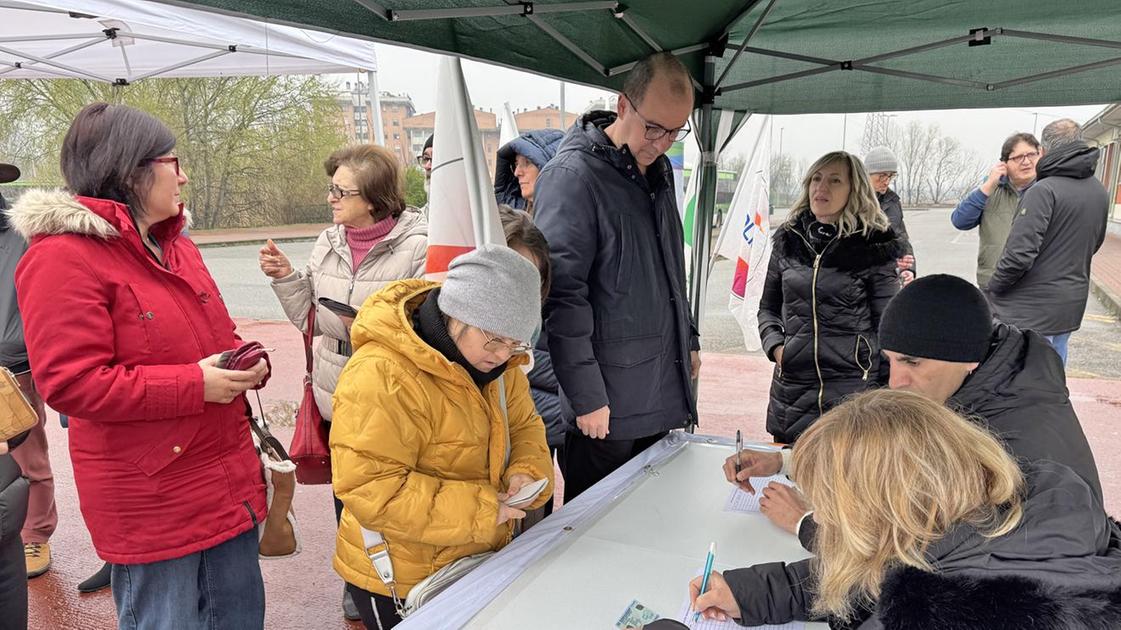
{"type": "Point", "coordinates": [114, 341]}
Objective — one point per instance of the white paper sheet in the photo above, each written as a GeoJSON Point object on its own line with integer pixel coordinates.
{"type": "Point", "coordinates": [741, 501]}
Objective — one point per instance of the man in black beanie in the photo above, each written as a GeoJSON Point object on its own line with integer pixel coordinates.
{"type": "Point", "coordinates": [940, 340]}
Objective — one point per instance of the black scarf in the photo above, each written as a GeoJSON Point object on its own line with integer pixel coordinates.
{"type": "Point", "coordinates": [429, 324]}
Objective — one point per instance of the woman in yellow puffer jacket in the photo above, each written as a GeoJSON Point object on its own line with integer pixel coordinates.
{"type": "Point", "coordinates": [421, 449]}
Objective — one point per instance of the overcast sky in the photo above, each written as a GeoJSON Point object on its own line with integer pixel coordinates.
{"type": "Point", "coordinates": [806, 137]}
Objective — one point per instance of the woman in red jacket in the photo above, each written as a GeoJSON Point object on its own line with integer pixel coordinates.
{"type": "Point", "coordinates": [124, 329]}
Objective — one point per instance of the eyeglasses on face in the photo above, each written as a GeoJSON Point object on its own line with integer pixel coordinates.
{"type": "Point", "coordinates": [888, 176]}
{"type": "Point", "coordinates": [338, 192]}
{"type": "Point", "coordinates": [171, 159]}
{"type": "Point", "coordinates": [654, 131]}
{"type": "Point", "coordinates": [494, 345]}
{"type": "Point", "coordinates": [1024, 158]}
{"type": "Point", "coordinates": [423, 159]}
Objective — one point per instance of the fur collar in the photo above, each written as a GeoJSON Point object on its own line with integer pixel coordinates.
{"type": "Point", "coordinates": [916, 599]}
{"type": "Point", "coordinates": [45, 212]}
{"type": "Point", "coordinates": [854, 252]}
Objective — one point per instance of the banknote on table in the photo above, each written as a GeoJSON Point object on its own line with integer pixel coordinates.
{"type": "Point", "coordinates": [635, 616]}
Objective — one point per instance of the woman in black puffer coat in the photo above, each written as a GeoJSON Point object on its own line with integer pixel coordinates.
{"type": "Point", "coordinates": [831, 274]}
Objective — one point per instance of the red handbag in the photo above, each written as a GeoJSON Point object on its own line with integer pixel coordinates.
{"type": "Point", "coordinates": [310, 450]}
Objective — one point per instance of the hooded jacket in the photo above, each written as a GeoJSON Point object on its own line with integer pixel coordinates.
{"type": "Point", "coordinates": [115, 339]}
{"type": "Point", "coordinates": [328, 274]}
{"type": "Point", "coordinates": [1060, 569]}
{"type": "Point", "coordinates": [538, 146]}
{"type": "Point", "coordinates": [418, 448]}
{"type": "Point", "coordinates": [1042, 281]}
{"type": "Point", "coordinates": [1019, 393]}
{"type": "Point", "coordinates": [620, 327]}
{"type": "Point", "coordinates": [824, 309]}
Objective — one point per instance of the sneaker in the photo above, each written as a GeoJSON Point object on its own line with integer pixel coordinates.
{"type": "Point", "coordinates": [38, 556]}
{"type": "Point", "coordinates": [98, 580]}
{"type": "Point", "coordinates": [350, 611]}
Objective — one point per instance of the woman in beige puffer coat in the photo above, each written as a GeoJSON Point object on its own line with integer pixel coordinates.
{"type": "Point", "coordinates": [374, 241]}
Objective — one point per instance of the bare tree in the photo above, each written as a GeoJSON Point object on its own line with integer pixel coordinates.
{"type": "Point", "coordinates": [252, 147]}
{"type": "Point", "coordinates": [914, 147]}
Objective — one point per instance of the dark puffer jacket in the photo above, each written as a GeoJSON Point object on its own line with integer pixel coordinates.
{"type": "Point", "coordinates": [825, 310]}
{"type": "Point", "coordinates": [551, 404]}
{"type": "Point", "coordinates": [1059, 569]}
{"type": "Point", "coordinates": [1019, 392]}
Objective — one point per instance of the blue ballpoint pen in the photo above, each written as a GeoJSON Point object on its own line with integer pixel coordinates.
{"type": "Point", "coordinates": [708, 571]}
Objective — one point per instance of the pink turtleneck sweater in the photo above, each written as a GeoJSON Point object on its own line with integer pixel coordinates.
{"type": "Point", "coordinates": [362, 240]}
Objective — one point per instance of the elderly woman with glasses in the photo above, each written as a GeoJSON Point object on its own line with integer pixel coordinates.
{"type": "Point", "coordinates": [434, 426]}
{"type": "Point", "coordinates": [883, 168]}
{"type": "Point", "coordinates": [375, 240]}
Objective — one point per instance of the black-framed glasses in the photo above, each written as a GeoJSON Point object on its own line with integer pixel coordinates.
{"type": "Point", "coordinates": [655, 131]}
{"type": "Point", "coordinates": [494, 345]}
{"type": "Point", "coordinates": [338, 192]}
{"type": "Point", "coordinates": [1025, 158]}
{"type": "Point", "coordinates": [171, 159]}
{"type": "Point", "coordinates": [423, 159]}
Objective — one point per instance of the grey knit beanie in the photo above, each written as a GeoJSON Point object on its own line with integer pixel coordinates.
{"type": "Point", "coordinates": [496, 289]}
{"type": "Point", "coordinates": [881, 160]}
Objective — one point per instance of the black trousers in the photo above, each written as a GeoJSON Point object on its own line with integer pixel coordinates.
{"type": "Point", "coordinates": [374, 607]}
{"type": "Point", "coordinates": [585, 461]}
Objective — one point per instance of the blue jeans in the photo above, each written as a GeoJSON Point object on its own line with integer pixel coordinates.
{"type": "Point", "coordinates": [216, 589]}
{"type": "Point", "coordinates": [1059, 343]}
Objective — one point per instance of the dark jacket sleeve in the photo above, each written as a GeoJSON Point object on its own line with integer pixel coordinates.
{"type": "Point", "coordinates": [883, 284]}
{"type": "Point", "coordinates": [771, 593]}
{"type": "Point", "coordinates": [772, 332]}
{"type": "Point", "coordinates": [1025, 239]}
{"type": "Point", "coordinates": [894, 212]}
{"type": "Point", "coordinates": [565, 212]}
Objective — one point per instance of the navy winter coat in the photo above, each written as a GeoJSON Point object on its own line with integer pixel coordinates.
{"type": "Point", "coordinates": [618, 317]}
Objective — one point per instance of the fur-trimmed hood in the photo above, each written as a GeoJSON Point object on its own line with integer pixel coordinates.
{"type": "Point", "coordinates": [850, 253]}
{"type": "Point", "coordinates": [49, 212]}
{"type": "Point", "coordinates": [916, 599]}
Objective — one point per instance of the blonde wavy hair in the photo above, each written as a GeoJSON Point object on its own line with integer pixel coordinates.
{"type": "Point", "coordinates": [888, 473]}
{"type": "Point", "coordinates": [861, 214]}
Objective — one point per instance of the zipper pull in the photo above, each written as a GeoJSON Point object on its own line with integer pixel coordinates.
{"type": "Point", "coordinates": [865, 377]}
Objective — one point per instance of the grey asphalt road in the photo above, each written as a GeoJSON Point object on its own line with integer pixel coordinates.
{"type": "Point", "coordinates": [1095, 350]}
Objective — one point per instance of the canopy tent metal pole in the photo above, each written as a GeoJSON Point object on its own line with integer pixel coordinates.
{"type": "Point", "coordinates": [183, 64]}
{"type": "Point", "coordinates": [65, 51]}
{"type": "Point", "coordinates": [706, 199]}
{"type": "Point", "coordinates": [54, 64]}
{"type": "Point", "coordinates": [520, 8]}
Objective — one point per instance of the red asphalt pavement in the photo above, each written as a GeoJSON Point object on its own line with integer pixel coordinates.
{"type": "Point", "coordinates": [304, 592]}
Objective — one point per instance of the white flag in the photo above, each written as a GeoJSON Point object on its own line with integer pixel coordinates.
{"type": "Point", "coordinates": [746, 239]}
{"type": "Point", "coordinates": [462, 212]}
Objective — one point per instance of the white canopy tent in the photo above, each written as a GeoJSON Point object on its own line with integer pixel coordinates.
{"type": "Point", "coordinates": [124, 41]}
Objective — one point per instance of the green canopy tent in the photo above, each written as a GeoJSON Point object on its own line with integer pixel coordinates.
{"type": "Point", "coordinates": [767, 56]}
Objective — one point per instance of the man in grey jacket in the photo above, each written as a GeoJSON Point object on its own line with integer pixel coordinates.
{"type": "Point", "coordinates": [1042, 280]}
{"type": "Point", "coordinates": [622, 338]}
{"type": "Point", "coordinates": [42, 517]}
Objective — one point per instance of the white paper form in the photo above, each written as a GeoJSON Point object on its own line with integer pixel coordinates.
{"type": "Point", "coordinates": [741, 501]}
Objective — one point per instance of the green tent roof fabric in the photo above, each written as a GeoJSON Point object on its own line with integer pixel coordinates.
{"type": "Point", "coordinates": [826, 31]}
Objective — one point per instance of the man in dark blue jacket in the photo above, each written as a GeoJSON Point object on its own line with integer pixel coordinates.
{"type": "Point", "coordinates": [621, 335]}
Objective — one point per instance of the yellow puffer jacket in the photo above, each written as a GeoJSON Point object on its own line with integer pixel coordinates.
{"type": "Point", "coordinates": [418, 449]}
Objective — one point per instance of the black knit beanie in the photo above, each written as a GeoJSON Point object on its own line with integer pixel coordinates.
{"type": "Point", "coordinates": [938, 317]}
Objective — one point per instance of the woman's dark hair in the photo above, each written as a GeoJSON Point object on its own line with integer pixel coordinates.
{"type": "Point", "coordinates": [521, 232]}
{"type": "Point", "coordinates": [1014, 139]}
{"type": "Point", "coordinates": [108, 150]}
{"type": "Point", "coordinates": [377, 173]}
